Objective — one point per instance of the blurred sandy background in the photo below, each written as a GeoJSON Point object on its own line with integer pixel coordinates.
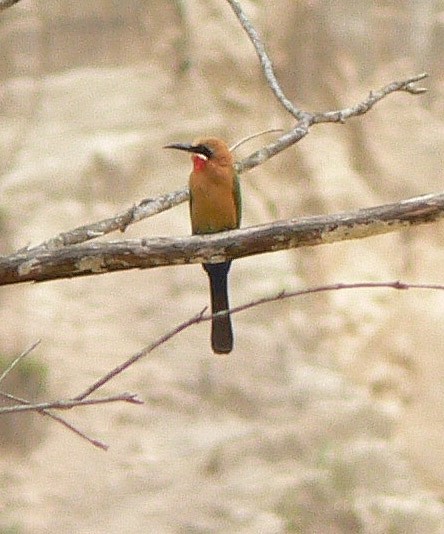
{"type": "Point", "coordinates": [329, 415]}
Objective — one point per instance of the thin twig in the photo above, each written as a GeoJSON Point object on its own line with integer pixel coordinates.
{"type": "Point", "coordinates": [373, 98]}
{"type": "Point", "coordinates": [96, 442]}
{"type": "Point", "coordinates": [302, 128]}
{"type": "Point", "coordinates": [150, 207]}
{"type": "Point", "coordinates": [68, 404]}
{"type": "Point", "coordinates": [242, 141]}
{"type": "Point", "coordinates": [18, 359]}
{"type": "Point", "coordinates": [82, 400]}
{"type": "Point", "coordinates": [203, 317]}
{"type": "Point", "coordinates": [58, 419]}
{"type": "Point", "coordinates": [139, 355]}
{"type": "Point", "coordinates": [43, 412]}
{"type": "Point", "coordinates": [282, 295]}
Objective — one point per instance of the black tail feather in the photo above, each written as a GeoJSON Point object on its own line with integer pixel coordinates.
{"type": "Point", "coordinates": [221, 331]}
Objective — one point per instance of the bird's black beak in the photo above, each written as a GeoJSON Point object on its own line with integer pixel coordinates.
{"type": "Point", "coordinates": [203, 150]}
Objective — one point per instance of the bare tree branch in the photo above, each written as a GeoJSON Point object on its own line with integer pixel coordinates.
{"type": "Point", "coordinates": [145, 208]}
{"type": "Point", "coordinates": [152, 206]}
{"type": "Point", "coordinates": [82, 400]}
{"type": "Point", "coordinates": [265, 61]}
{"type": "Point", "coordinates": [373, 98]}
{"type": "Point", "coordinates": [68, 404]}
{"type": "Point", "coordinates": [98, 258]}
{"type": "Point", "coordinates": [305, 118]}
{"type": "Point", "coordinates": [58, 419]}
{"type": "Point", "coordinates": [149, 207]}
{"type": "Point", "coordinates": [203, 317]}
{"type": "Point", "coordinates": [141, 354]}
{"type": "Point", "coordinates": [42, 408]}
{"type": "Point", "coordinates": [330, 287]}
{"type": "Point", "coordinates": [302, 128]}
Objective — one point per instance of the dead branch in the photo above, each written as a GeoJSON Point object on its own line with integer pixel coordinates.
{"type": "Point", "coordinates": [149, 207]}
{"type": "Point", "coordinates": [152, 206]}
{"type": "Point", "coordinates": [203, 317]}
{"type": "Point", "coordinates": [199, 317]}
{"type": "Point", "coordinates": [82, 399]}
{"type": "Point", "coordinates": [98, 258]}
{"type": "Point", "coordinates": [58, 419]}
{"type": "Point", "coordinates": [306, 119]}
{"type": "Point", "coordinates": [302, 127]}
{"type": "Point", "coordinates": [23, 405]}
{"type": "Point", "coordinates": [266, 64]}
{"type": "Point", "coordinates": [145, 208]}
{"type": "Point", "coordinates": [68, 404]}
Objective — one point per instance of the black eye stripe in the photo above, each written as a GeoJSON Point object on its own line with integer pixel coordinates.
{"type": "Point", "coordinates": [204, 150]}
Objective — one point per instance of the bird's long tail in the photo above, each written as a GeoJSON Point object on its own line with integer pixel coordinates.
{"type": "Point", "coordinates": [221, 331]}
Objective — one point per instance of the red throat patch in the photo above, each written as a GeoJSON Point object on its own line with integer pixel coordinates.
{"type": "Point", "coordinates": [199, 163]}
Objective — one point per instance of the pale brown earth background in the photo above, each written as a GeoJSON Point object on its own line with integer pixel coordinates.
{"type": "Point", "coordinates": [328, 417]}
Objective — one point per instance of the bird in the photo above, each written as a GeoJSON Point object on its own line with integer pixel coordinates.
{"type": "Point", "coordinates": [215, 206]}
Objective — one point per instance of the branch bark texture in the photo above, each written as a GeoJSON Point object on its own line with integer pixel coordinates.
{"type": "Point", "coordinates": [97, 258]}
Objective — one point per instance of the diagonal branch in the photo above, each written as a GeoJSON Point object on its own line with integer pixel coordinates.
{"type": "Point", "coordinates": [306, 119]}
{"type": "Point", "coordinates": [44, 412]}
{"type": "Point", "coordinates": [302, 128]}
{"type": "Point", "coordinates": [145, 208]}
{"type": "Point", "coordinates": [99, 258]}
{"type": "Point", "coordinates": [203, 317]}
{"type": "Point", "coordinates": [265, 61]}
{"type": "Point", "coordinates": [24, 405]}
{"type": "Point", "coordinates": [152, 206]}
{"type": "Point", "coordinates": [141, 354]}
{"type": "Point", "coordinates": [408, 86]}
{"type": "Point", "coordinates": [200, 317]}
{"type": "Point", "coordinates": [17, 360]}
